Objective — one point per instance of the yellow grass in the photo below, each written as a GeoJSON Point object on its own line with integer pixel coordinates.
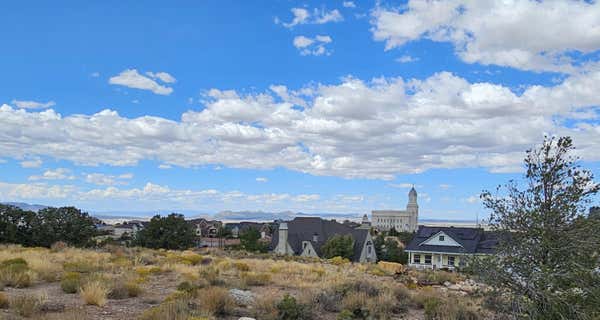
{"type": "Point", "coordinates": [94, 293]}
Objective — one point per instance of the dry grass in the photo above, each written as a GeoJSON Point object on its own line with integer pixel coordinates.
{"type": "Point", "coordinates": [324, 287]}
{"type": "Point", "coordinates": [94, 293]}
{"type": "Point", "coordinates": [27, 305]}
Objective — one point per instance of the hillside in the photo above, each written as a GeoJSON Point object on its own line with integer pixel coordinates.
{"type": "Point", "coordinates": [132, 283]}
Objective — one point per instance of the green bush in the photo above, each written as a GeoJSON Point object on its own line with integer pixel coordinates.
{"type": "Point", "coordinates": [71, 282]}
{"type": "Point", "coordinates": [15, 273]}
{"type": "Point", "coordinates": [289, 309]}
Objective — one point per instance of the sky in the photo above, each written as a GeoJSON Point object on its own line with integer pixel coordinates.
{"type": "Point", "coordinates": [304, 106]}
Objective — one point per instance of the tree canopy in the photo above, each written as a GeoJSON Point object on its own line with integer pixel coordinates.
{"type": "Point", "coordinates": [170, 232]}
{"type": "Point", "coordinates": [45, 227]}
{"type": "Point", "coordinates": [546, 266]}
{"type": "Point", "coordinates": [339, 246]}
{"type": "Point", "coordinates": [250, 240]}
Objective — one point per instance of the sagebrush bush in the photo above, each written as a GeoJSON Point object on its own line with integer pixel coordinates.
{"type": "Point", "coordinates": [191, 258]}
{"type": "Point", "coordinates": [16, 273]}
{"type": "Point", "coordinates": [265, 307]}
{"type": "Point", "coordinates": [79, 266]}
{"type": "Point", "coordinates": [255, 279]}
{"type": "Point", "coordinates": [289, 309]}
{"type": "Point", "coordinates": [71, 282]}
{"type": "Point", "coordinates": [3, 300]}
{"type": "Point", "coordinates": [94, 293]}
{"type": "Point", "coordinates": [211, 274]}
{"type": "Point", "coordinates": [172, 310]}
{"type": "Point", "coordinates": [124, 288]}
{"type": "Point", "coordinates": [216, 301]}
{"type": "Point", "coordinates": [356, 302]}
{"type": "Point", "coordinates": [27, 305]}
{"type": "Point", "coordinates": [241, 266]}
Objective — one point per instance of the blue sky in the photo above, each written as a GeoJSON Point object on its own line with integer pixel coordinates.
{"type": "Point", "coordinates": [312, 106]}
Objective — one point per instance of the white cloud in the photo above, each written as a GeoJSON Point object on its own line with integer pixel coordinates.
{"type": "Point", "coordinates": [132, 79]}
{"type": "Point", "coordinates": [102, 179]}
{"type": "Point", "coordinates": [401, 185]}
{"type": "Point", "coordinates": [407, 59]}
{"type": "Point", "coordinates": [304, 16]}
{"type": "Point", "coordinates": [35, 163]}
{"type": "Point", "coordinates": [164, 166]}
{"type": "Point", "coordinates": [56, 174]}
{"type": "Point", "coordinates": [313, 46]}
{"type": "Point", "coordinates": [162, 76]}
{"type": "Point", "coordinates": [445, 186]}
{"type": "Point", "coordinates": [355, 128]}
{"type": "Point", "coordinates": [523, 34]}
{"type": "Point", "coordinates": [473, 199]}
{"type": "Point", "coordinates": [262, 179]}
{"type": "Point", "coordinates": [28, 104]}
{"type": "Point", "coordinates": [349, 4]}
{"type": "Point", "coordinates": [95, 74]}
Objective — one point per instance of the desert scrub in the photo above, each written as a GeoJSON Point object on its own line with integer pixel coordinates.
{"type": "Point", "coordinates": [3, 300]}
{"type": "Point", "coordinates": [15, 273]}
{"type": "Point", "coordinates": [255, 279]}
{"type": "Point", "coordinates": [124, 288]}
{"type": "Point", "coordinates": [356, 303]}
{"type": "Point", "coordinates": [79, 266]}
{"type": "Point", "coordinates": [191, 258]}
{"type": "Point", "coordinates": [178, 309]}
{"type": "Point", "coordinates": [27, 305]}
{"type": "Point", "coordinates": [241, 266]}
{"type": "Point", "coordinates": [265, 306]}
{"type": "Point", "coordinates": [71, 282]}
{"type": "Point", "coordinates": [289, 309]}
{"type": "Point", "coordinates": [338, 261]}
{"type": "Point", "coordinates": [94, 293]}
{"type": "Point", "coordinates": [211, 275]}
{"type": "Point", "coordinates": [216, 301]}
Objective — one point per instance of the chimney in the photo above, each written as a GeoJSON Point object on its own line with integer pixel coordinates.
{"type": "Point", "coordinates": [283, 238]}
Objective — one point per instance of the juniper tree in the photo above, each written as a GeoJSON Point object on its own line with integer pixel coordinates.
{"type": "Point", "coordinates": [546, 266]}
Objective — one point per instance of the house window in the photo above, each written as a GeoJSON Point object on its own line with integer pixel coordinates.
{"type": "Point", "coordinates": [441, 238]}
{"type": "Point", "coordinates": [417, 258]}
{"type": "Point", "coordinates": [427, 259]}
{"type": "Point", "coordinates": [369, 250]}
{"type": "Point", "coordinates": [451, 260]}
{"type": "Point", "coordinates": [303, 245]}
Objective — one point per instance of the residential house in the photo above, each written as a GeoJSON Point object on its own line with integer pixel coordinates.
{"type": "Point", "coordinates": [448, 247]}
{"type": "Point", "coordinates": [127, 229]}
{"type": "Point", "coordinates": [206, 228]}
{"type": "Point", "coordinates": [305, 236]}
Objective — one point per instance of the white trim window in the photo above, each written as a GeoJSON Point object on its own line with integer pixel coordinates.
{"type": "Point", "coordinates": [427, 259]}
{"type": "Point", "coordinates": [451, 260]}
{"type": "Point", "coordinates": [416, 258]}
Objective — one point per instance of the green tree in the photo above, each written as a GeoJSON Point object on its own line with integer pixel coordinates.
{"type": "Point", "coordinates": [170, 232]}
{"type": "Point", "coordinates": [547, 261]}
{"type": "Point", "coordinates": [250, 241]}
{"type": "Point", "coordinates": [339, 245]}
{"type": "Point", "coordinates": [393, 252]}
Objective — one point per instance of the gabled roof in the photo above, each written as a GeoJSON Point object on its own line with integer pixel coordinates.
{"type": "Point", "coordinates": [304, 228]}
{"type": "Point", "coordinates": [472, 240]}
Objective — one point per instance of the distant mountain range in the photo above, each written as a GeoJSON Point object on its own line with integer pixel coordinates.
{"type": "Point", "coordinates": [226, 216]}
{"type": "Point", "coordinates": [26, 206]}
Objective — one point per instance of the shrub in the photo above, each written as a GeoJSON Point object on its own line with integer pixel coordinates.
{"type": "Point", "coordinates": [71, 282]}
{"type": "Point", "coordinates": [3, 301]}
{"type": "Point", "coordinates": [216, 301]}
{"type": "Point", "coordinates": [265, 307]}
{"type": "Point", "coordinates": [123, 288]}
{"type": "Point", "coordinates": [192, 258]}
{"type": "Point", "coordinates": [289, 309]}
{"type": "Point", "coordinates": [79, 266]}
{"type": "Point", "coordinates": [356, 303]}
{"type": "Point", "coordinates": [187, 286]}
{"type": "Point", "coordinates": [27, 305]}
{"type": "Point", "coordinates": [58, 246]}
{"type": "Point", "coordinates": [241, 266]}
{"type": "Point", "coordinates": [255, 279]}
{"type": "Point", "coordinates": [345, 315]}
{"type": "Point", "coordinates": [338, 261]}
{"type": "Point", "coordinates": [94, 293]}
{"type": "Point", "coordinates": [15, 273]}
{"type": "Point", "coordinates": [211, 274]}
{"type": "Point", "coordinates": [172, 310]}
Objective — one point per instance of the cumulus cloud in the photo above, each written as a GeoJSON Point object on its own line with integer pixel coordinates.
{"type": "Point", "coordinates": [313, 46]}
{"type": "Point", "coordinates": [34, 163]}
{"type": "Point", "coordinates": [523, 34]}
{"type": "Point", "coordinates": [349, 4]}
{"type": "Point", "coordinates": [131, 78]}
{"type": "Point", "coordinates": [407, 59]}
{"type": "Point", "coordinates": [102, 179]}
{"type": "Point", "coordinates": [304, 16]}
{"type": "Point", "coordinates": [28, 104]}
{"type": "Point", "coordinates": [56, 174]}
{"type": "Point", "coordinates": [369, 129]}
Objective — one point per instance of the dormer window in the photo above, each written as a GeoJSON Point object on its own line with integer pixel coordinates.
{"type": "Point", "coordinates": [441, 238]}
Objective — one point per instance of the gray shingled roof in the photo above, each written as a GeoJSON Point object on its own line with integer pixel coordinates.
{"type": "Point", "coordinates": [303, 228]}
{"type": "Point", "coordinates": [472, 240]}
